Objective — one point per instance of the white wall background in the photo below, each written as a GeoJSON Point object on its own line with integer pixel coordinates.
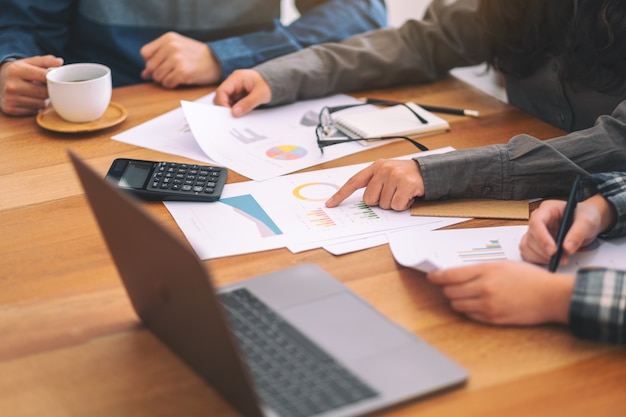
{"type": "Point", "coordinates": [401, 10]}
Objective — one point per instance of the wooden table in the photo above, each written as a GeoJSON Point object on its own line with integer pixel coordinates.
{"type": "Point", "coordinates": [71, 345]}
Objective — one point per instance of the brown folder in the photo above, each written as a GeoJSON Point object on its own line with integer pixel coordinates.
{"type": "Point", "coordinates": [476, 208]}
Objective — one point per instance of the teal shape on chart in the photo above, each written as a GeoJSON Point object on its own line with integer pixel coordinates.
{"type": "Point", "coordinates": [247, 206]}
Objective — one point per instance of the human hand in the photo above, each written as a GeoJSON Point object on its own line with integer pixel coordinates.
{"type": "Point", "coordinates": [23, 89]}
{"type": "Point", "coordinates": [390, 184]}
{"type": "Point", "coordinates": [507, 292]}
{"type": "Point", "coordinates": [242, 91]}
{"type": "Point", "coordinates": [173, 60]}
{"type": "Point", "coordinates": [591, 217]}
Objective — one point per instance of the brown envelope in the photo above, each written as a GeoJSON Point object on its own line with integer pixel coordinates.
{"type": "Point", "coordinates": [477, 208]}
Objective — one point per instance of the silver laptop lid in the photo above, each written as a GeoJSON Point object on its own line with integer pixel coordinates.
{"type": "Point", "coordinates": [149, 260]}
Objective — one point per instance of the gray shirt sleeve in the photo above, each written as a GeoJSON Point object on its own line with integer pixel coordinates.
{"type": "Point", "coordinates": [422, 51]}
{"type": "Point", "coordinates": [527, 167]}
{"type": "Point", "coordinates": [417, 52]}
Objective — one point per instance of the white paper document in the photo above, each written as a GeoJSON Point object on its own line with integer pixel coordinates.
{"type": "Point", "coordinates": [431, 250]}
{"type": "Point", "coordinates": [168, 133]}
{"type": "Point", "coordinates": [267, 143]}
{"type": "Point", "coordinates": [262, 144]}
{"type": "Point", "coordinates": [284, 211]}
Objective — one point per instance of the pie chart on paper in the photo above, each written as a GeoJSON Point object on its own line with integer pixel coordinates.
{"type": "Point", "coordinates": [286, 152]}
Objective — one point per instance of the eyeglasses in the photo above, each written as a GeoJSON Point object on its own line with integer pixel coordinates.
{"type": "Point", "coordinates": [326, 125]}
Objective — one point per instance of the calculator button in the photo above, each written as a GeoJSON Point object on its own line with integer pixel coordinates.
{"type": "Point", "coordinates": [187, 182]}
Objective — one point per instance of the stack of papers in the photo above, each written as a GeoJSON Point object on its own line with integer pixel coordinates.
{"type": "Point", "coordinates": [265, 143]}
{"type": "Point", "coordinates": [289, 212]}
{"type": "Point", "coordinates": [275, 210]}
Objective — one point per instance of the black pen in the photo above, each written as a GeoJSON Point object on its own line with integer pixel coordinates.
{"type": "Point", "coordinates": [434, 109]}
{"type": "Point", "coordinates": [447, 110]}
{"type": "Point", "coordinates": [566, 223]}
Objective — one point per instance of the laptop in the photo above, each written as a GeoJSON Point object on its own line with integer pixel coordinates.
{"type": "Point", "coordinates": [350, 359]}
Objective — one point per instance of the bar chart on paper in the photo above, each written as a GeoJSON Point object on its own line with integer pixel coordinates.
{"type": "Point", "coordinates": [355, 213]}
{"type": "Point", "coordinates": [296, 203]}
{"type": "Point", "coordinates": [431, 250]}
{"type": "Point", "coordinates": [319, 218]}
{"type": "Point", "coordinates": [290, 212]}
{"type": "Point", "coordinates": [308, 207]}
{"type": "Point", "coordinates": [491, 251]}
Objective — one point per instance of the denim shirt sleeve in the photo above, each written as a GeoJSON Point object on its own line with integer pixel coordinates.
{"type": "Point", "coordinates": [419, 51]}
{"type": "Point", "coordinates": [16, 19]}
{"type": "Point", "coordinates": [319, 22]}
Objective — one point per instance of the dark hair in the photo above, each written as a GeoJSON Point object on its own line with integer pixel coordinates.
{"type": "Point", "coordinates": [588, 38]}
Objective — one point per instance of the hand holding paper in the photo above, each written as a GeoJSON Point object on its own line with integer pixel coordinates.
{"type": "Point", "coordinates": [506, 292]}
{"type": "Point", "coordinates": [428, 251]}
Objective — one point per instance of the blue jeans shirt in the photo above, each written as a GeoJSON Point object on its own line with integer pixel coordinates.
{"type": "Point", "coordinates": [241, 33]}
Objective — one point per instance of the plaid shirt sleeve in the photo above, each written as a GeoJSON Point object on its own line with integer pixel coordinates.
{"type": "Point", "coordinates": [598, 305]}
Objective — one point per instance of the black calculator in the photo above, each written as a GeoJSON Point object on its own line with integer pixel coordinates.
{"type": "Point", "coordinates": [168, 181]}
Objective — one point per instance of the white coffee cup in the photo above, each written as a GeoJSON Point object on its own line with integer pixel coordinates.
{"type": "Point", "coordinates": [80, 92]}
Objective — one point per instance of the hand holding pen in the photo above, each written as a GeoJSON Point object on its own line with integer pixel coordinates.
{"type": "Point", "coordinates": [566, 223]}
{"type": "Point", "coordinates": [590, 218]}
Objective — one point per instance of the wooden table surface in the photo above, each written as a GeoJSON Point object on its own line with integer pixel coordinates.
{"type": "Point", "coordinates": [71, 345]}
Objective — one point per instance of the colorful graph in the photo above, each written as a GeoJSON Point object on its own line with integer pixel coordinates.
{"type": "Point", "coordinates": [492, 251]}
{"type": "Point", "coordinates": [286, 152]}
{"type": "Point", "coordinates": [248, 207]}
{"type": "Point", "coordinates": [320, 218]}
{"type": "Point", "coordinates": [363, 211]}
{"type": "Point", "coordinates": [315, 191]}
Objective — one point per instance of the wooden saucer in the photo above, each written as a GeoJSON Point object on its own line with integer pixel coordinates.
{"type": "Point", "coordinates": [50, 120]}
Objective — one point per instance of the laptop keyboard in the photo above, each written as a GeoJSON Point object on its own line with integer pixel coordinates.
{"type": "Point", "coordinates": [294, 377]}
